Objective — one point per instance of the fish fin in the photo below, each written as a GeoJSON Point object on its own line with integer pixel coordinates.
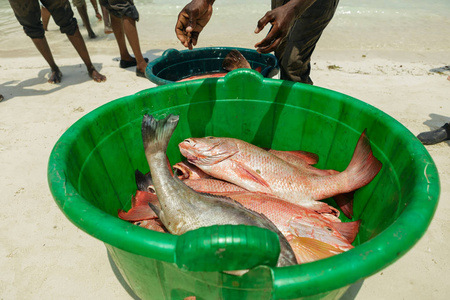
{"type": "Point", "coordinates": [235, 60]}
{"type": "Point", "coordinates": [364, 166]}
{"type": "Point", "coordinates": [152, 224]}
{"type": "Point", "coordinates": [142, 198]}
{"type": "Point", "coordinates": [345, 203]}
{"type": "Point", "coordinates": [349, 230]}
{"type": "Point", "coordinates": [137, 213]}
{"type": "Point", "coordinates": [144, 182]}
{"type": "Point", "coordinates": [308, 157]}
{"type": "Point", "coordinates": [156, 133]}
{"type": "Point", "coordinates": [309, 249]}
{"type": "Point", "coordinates": [155, 209]}
{"type": "Point", "coordinates": [133, 200]}
{"type": "Point", "coordinates": [249, 174]}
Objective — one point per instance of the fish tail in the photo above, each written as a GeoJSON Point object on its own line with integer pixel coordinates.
{"type": "Point", "coordinates": [364, 166]}
{"type": "Point", "coordinates": [309, 249]}
{"type": "Point", "coordinates": [235, 60]}
{"type": "Point", "coordinates": [156, 133]}
{"type": "Point", "coordinates": [349, 230]}
{"type": "Point", "coordinates": [345, 203]}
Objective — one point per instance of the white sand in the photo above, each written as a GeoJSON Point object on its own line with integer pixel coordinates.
{"type": "Point", "coordinates": [44, 256]}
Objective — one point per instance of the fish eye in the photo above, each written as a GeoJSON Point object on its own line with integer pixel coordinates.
{"type": "Point", "coordinates": [329, 229]}
{"type": "Point", "coordinates": [187, 141]}
{"type": "Point", "coordinates": [210, 137]}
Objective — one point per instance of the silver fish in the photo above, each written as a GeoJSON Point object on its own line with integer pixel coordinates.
{"type": "Point", "coordinates": [182, 208]}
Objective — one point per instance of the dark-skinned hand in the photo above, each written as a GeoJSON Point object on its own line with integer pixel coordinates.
{"type": "Point", "coordinates": [191, 21]}
{"type": "Point", "coordinates": [281, 18]}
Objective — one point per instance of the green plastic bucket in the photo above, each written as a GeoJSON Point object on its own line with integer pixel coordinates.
{"type": "Point", "coordinates": [174, 65]}
{"type": "Point", "coordinates": [91, 176]}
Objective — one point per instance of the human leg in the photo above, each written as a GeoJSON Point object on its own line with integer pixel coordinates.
{"type": "Point", "coordinates": [82, 10]}
{"type": "Point", "coordinates": [78, 43]}
{"type": "Point", "coordinates": [28, 13]}
{"type": "Point", "coordinates": [117, 26]}
{"type": "Point", "coordinates": [106, 21]}
{"type": "Point", "coordinates": [44, 49]}
{"type": "Point", "coordinates": [126, 12]}
{"type": "Point", "coordinates": [45, 14]}
{"type": "Point", "coordinates": [294, 53]}
{"type": "Point", "coordinates": [132, 36]}
{"type": "Point", "coordinates": [63, 15]}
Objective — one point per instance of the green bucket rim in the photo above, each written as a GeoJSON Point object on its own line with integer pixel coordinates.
{"type": "Point", "coordinates": [314, 278]}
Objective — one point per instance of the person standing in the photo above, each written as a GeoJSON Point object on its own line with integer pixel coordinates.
{"type": "Point", "coordinates": [28, 13]}
{"type": "Point", "coordinates": [82, 11]}
{"type": "Point", "coordinates": [296, 28]}
{"type": "Point", "coordinates": [124, 16]}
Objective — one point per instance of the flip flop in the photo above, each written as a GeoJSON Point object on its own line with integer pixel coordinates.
{"type": "Point", "coordinates": [127, 64]}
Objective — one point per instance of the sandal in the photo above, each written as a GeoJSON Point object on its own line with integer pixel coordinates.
{"type": "Point", "coordinates": [132, 63]}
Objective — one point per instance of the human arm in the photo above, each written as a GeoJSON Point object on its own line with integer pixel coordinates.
{"type": "Point", "coordinates": [97, 13]}
{"type": "Point", "coordinates": [282, 18]}
{"type": "Point", "coordinates": [191, 21]}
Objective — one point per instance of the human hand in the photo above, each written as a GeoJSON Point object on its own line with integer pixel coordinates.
{"type": "Point", "coordinates": [98, 15]}
{"type": "Point", "coordinates": [191, 21]}
{"type": "Point", "coordinates": [282, 18]}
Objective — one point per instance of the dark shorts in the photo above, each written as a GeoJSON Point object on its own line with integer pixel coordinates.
{"type": "Point", "coordinates": [121, 8]}
{"type": "Point", "coordinates": [28, 13]}
{"type": "Point", "coordinates": [294, 53]}
{"type": "Point", "coordinates": [79, 3]}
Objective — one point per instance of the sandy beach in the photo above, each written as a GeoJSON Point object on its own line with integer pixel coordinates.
{"type": "Point", "coordinates": [44, 256]}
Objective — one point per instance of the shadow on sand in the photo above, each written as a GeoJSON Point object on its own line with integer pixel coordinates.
{"type": "Point", "coordinates": [72, 75]}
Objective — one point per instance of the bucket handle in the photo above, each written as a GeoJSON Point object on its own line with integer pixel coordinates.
{"type": "Point", "coordinates": [226, 248]}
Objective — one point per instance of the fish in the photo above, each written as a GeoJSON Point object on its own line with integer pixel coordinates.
{"type": "Point", "coordinates": [183, 209]}
{"type": "Point", "coordinates": [140, 209]}
{"type": "Point", "coordinates": [235, 60]}
{"type": "Point", "coordinates": [151, 224]}
{"type": "Point", "coordinates": [189, 171]}
{"type": "Point", "coordinates": [232, 61]}
{"type": "Point", "coordinates": [294, 222]}
{"type": "Point", "coordinates": [309, 250]}
{"type": "Point", "coordinates": [304, 161]}
{"type": "Point", "coordinates": [203, 76]}
{"type": "Point", "coordinates": [145, 194]}
{"type": "Point", "coordinates": [258, 170]}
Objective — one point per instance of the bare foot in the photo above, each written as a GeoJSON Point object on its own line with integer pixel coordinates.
{"type": "Point", "coordinates": [92, 35]}
{"type": "Point", "coordinates": [140, 67]}
{"type": "Point", "coordinates": [94, 74]}
{"type": "Point", "coordinates": [448, 78]}
{"type": "Point", "coordinates": [55, 77]}
{"type": "Point", "coordinates": [108, 30]}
